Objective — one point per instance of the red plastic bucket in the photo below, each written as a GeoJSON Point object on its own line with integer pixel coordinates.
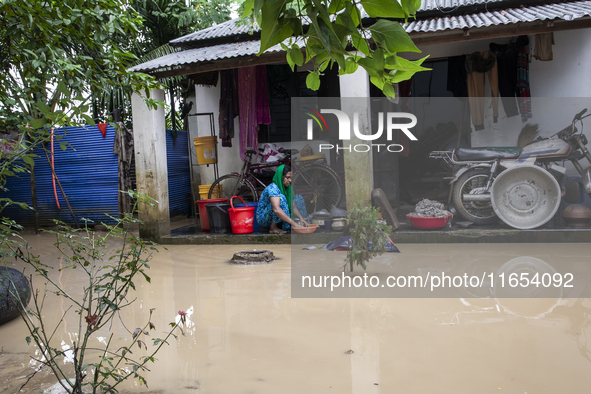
{"type": "Point", "coordinates": [242, 219]}
{"type": "Point", "coordinates": [203, 212]}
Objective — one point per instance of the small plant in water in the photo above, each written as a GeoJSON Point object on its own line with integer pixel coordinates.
{"type": "Point", "coordinates": [369, 235]}
{"type": "Point", "coordinates": [110, 281]}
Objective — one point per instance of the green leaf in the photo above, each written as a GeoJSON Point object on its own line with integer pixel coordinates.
{"type": "Point", "coordinates": [402, 64]}
{"type": "Point", "coordinates": [353, 12]}
{"type": "Point", "coordinates": [392, 37]}
{"type": "Point", "coordinates": [400, 76]}
{"type": "Point", "coordinates": [369, 66]}
{"type": "Point", "coordinates": [29, 160]}
{"type": "Point", "coordinates": [383, 8]}
{"type": "Point", "coordinates": [378, 81]}
{"type": "Point", "coordinates": [28, 340]}
{"type": "Point", "coordinates": [357, 39]}
{"type": "Point", "coordinates": [335, 6]}
{"type": "Point", "coordinates": [350, 66]}
{"type": "Point", "coordinates": [378, 60]}
{"type": "Point", "coordinates": [290, 61]}
{"type": "Point", "coordinates": [64, 146]}
{"type": "Point", "coordinates": [296, 25]}
{"type": "Point", "coordinates": [296, 55]}
{"type": "Point", "coordinates": [248, 8]}
{"type": "Point", "coordinates": [37, 123]}
{"type": "Point", "coordinates": [44, 108]}
{"type": "Point", "coordinates": [411, 6]}
{"type": "Point", "coordinates": [88, 119]}
{"type": "Point", "coordinates": [388, 90]}
{"type": "Point", "coordinates": [273, 29]}
{"type": "Point", "coordinates": [313, 81]}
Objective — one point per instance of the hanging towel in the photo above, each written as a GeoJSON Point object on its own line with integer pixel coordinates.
{"type": "Point", "coordinates": [228, 106]}
{"type": "Point", "coordinates": [543, 48]}
{"type": "Point", "coordinates": [249, 127]}
{"type": "Point", "coordinates": [263, 110]}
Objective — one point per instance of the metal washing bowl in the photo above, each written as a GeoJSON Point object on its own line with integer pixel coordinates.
{"type": "Point", "coordinates": [525, 197]}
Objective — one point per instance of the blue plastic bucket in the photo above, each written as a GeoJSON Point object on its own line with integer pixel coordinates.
{"type": "Point", "coordinates": [256, 228]}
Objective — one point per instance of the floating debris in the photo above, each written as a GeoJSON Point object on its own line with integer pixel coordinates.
{"type": "Point", "coordinates": [429, 209]}
{"type": "Point", "coordinates": [253, 257]}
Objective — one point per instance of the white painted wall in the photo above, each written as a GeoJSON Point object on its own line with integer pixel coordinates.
{"type": "Point", "coordinates": [207, 99]}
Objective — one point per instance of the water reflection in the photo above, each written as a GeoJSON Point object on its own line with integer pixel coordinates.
{"type": "Point", "coordinates": [244, 334]}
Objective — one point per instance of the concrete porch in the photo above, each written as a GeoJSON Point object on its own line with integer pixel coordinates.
{"type": "Point", "coordinates": [187, 232]}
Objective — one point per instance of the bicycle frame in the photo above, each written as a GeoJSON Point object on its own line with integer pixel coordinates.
{"type": "Point", "coordinates": [248, 168]}
{"type": "Point", "coordinates": [248, 174]}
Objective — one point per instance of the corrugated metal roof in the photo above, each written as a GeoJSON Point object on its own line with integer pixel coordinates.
{"type": "Point", "coordinates": [233, 27]}
{"type": "Point", "coordinates": [216, 52]}
{"type": "Point", "coordinates": [226, 29]}
{"type": "Point", "coordinates": [563, 11]}
{"type": "Point", "coordinates": [447, 4]}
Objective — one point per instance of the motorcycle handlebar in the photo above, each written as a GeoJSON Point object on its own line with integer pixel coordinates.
{"type": "Point", "coordinates": [578, 116]}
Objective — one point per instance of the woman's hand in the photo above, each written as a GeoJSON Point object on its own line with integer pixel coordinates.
{"type": "Point", "coordinates": [304, 223]}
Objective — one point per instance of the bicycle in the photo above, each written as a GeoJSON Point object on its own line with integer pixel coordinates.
{"type": "Point", "coordinates": [319, 185]}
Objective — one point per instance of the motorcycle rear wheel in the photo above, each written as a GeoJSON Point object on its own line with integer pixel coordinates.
{"type": "Point", "coordinates": [473, 181]}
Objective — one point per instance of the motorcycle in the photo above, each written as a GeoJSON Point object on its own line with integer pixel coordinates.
{"type": "Point", "coordinates": [521, 186]}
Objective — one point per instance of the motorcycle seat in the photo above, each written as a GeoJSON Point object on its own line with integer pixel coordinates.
{"type": "Point", "coordinates": [486, 154]}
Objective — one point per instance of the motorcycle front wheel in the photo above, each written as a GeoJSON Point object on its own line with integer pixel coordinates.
{"type": "Point", "coordinates": [473, 181]}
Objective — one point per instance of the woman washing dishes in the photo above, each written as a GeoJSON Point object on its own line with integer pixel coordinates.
{"type": "Point", "coordinates": [276, 209]}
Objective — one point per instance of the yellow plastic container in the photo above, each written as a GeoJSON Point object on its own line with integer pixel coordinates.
{"type": "Point", "coordinates": [204, 192]}
{"type": "Point", "coordinates": [205, 149]}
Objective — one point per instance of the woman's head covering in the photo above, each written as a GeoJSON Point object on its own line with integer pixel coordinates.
{"type": "Point", "coordinates": [278, 180]}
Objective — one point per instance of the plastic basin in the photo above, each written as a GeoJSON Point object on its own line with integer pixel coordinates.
{"type": "Point", "coordinates": [429, 223]}
{"type": "Point", "coordinates": [305, 230]}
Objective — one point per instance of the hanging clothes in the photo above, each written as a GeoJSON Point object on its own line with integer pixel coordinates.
{"type": "Point", "coordinates": [543, 47]}
{"type": "Point", "coordinates": [404, 91]}
{"type": "Point", "coordinates": [507, 74]}
{"type": "Point", "coordinates": [476, 65]}
{"type": "Point", "coordinates": [456, 76]}
{"type": "Point", "coordinates": [229, 108]}
{"type": "Point", "coordinates": [249, 127]}
{"type": "Point", "coordinates": [263, 109]}
{"type": "Point", "coordinates": [523, 84]}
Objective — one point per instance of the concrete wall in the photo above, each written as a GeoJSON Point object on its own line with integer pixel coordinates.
{"type": "Point", "coordinates": [207, 99]}
{"type": "Point", "coordinates": [559, 88]}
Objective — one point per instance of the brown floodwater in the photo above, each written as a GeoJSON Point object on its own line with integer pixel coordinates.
{"type": "Point", "coordinates": [245, 334]}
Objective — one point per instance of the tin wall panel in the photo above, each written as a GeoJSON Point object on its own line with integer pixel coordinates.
{"type": "Point", "coordinates": [87, 171]}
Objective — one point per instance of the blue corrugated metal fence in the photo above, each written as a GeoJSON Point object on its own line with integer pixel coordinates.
{"type": "Point", "coordinates": [179, 181]}
{"type": "Point", "coordinates": [88, 173]}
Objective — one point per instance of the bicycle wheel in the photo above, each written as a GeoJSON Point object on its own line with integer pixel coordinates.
{"type": "Point", "coordinates": [319, 186]}
{"type": "Point", "coordinates": [232, 185]}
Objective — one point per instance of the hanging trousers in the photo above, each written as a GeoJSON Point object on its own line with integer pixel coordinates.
{"type": "Point", "coordinates": [476, 94]}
